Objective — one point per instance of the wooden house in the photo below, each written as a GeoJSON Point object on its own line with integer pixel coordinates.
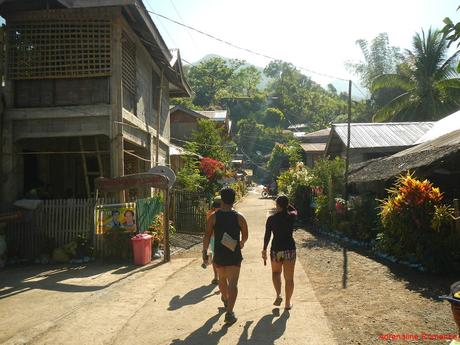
{"type": "Point", "coordinates": [374, 140]}
{"type": "Point", "coordinates": [313, 145]}
{"type": "Point", "coordinates": [435, 156]}
{"type": "Point", "coordinates": [184, 121]}
{"type": "Point", "coordinates": [87, 89]}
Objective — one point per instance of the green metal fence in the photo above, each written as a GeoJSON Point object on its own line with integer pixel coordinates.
{"type": "Point", "coordinates": [188, 211]}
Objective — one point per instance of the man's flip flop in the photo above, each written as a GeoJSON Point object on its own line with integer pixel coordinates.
{"type": "Point", "coordinates": [278, 301]}
{"type": "Point", "coordinates": [289, 307]}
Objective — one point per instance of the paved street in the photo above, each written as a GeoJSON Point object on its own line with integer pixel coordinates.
{"type": "Point", "coordinates": [172, 303]}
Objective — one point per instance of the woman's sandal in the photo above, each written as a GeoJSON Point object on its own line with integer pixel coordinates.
{"type": "Point", "coordinates": [289, 307]}
{"type": "Point", "coordinates": [278, 301]}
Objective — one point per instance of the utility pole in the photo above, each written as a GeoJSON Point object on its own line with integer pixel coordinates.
{"type": "Point", "coordinates": [347, 157]}
{"type": "Point", "coordinates": [157, 153]}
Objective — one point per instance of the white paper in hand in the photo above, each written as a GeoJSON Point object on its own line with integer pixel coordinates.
{"type": "Point", "coordinates": [229, 242]}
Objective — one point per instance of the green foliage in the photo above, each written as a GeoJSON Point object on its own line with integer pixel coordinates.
{"type": "Point", "coordinates": [300, 99]}
{"type": "Point", "coordinates": [210, 141]}
{"type": "Point", "coordinates": [430, 86]}
{"type": "Point", "coordinates": [452, 33]}
{"type": "Point", "coordinates": [244, 81]}
{"type": "Point", "coordinates": [210, 79]}
{"type": "Point", "coordinates": [283, 157]}
{"type": "Point", "coordinates": [417, 226]}
{"type": "Point", "coordinates": [379, 58]}
{"type": "Point", "coordinates": [189, 177]}
{"type": "Point", "coordinates": [273, 117]}
{"type": "Point", "coordinates": [185, 102]}
{"type": "Point", "coordinates": [328, 183]}
{"type": "Point", "coordinates": [295, 183]}
{"type": "Point", "coordinates": [256, 142]}
{"type": "Point", "coordinates": [240, 188]}
{"type": "Point", "coordinates": [295, 177]}
{"type": "Point", "coordinates": [363, 217]}
{"type": "Point", "coordinates": [289, 89]}
{"type": "Point", "coordinates": [328, 175]}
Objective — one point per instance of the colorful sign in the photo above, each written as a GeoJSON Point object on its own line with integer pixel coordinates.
{"type": "Point", "coordinates": [120, 216]}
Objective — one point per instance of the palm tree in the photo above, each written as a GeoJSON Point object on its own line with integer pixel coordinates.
{"type": "Point", "coordinates": [429, 83]}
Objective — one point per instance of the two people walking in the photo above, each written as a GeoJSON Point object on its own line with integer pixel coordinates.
{"type": "Point", "coordinates": [230, 232]}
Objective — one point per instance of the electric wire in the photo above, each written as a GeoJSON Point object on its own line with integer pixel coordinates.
{"type": "Point", "coordinates": [182, 20]}
{"type": "Point", "coordinates": [223, 41]}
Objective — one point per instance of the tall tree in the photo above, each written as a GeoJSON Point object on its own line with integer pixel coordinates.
{"type": "Point", "coordinates": [209, 141]}
{"type": "Point", "coordinates": [379, 58]}
{"type": "Point", "coordinates": [428, 79]}
{"type": "Point", "coordinates": [288, 89]}
{"type": "Point", "coordinates": [210, 78]}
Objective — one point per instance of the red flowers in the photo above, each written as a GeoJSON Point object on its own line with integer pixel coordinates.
{"type": "Point", "coordinates": [211, 168]}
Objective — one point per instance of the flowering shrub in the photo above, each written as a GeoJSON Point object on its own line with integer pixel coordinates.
{"type": "Point", "coordinates": [417, 226]}
{"type": "Point", "coordinates": [292, 179]}
{"type": "Point", "coordinates": [412, 200]}
{"type": "Point", "coordinates": [295, 183]}
{"type": "Point", "coordinates": [156, 229]}
{"type": "Point", "coordinates": [340, 206]}
{"type": "Point", "coordinates": [211, 168]}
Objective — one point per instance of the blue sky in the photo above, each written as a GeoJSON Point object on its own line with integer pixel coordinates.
{"type": "Point", "coordinates": [319, 35]}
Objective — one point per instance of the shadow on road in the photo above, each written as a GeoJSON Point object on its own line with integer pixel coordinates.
{"type": "Point", "coordinates": [14, 281]}
{"type": "Point", "coordinates": [267, 329]}
{"type": "Point", "coordinates": [428, 285]}
{"type": "Point", "coordinates": [192, 297]}
{"type": "Point", "coordinates": [202, 335]}
{"type": "Point", "coordinates": [345, 268]}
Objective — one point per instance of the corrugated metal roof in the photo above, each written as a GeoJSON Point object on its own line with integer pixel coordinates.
{"type": "Point", "coordinates": [313, 147]}
{"type": "Point", "coordinates": [391, 134]}
{"type": "Point", "coordinates": [216, 115]}
{"type": "Point", "coordinates": [445, 125]}
{"type": "Point", "coordinates": [322, 132]}
{"type": "Point", "coordinates": [418, 156]}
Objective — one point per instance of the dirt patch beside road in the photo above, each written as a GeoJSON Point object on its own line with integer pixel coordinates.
{"type": "Point", "coordinates": [364, 298]}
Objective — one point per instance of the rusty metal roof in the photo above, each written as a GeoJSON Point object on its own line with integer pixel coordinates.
{"type": "Point", "coordinates": [313, 147]}
{"type": "Point", "coordinates": [391, 134]}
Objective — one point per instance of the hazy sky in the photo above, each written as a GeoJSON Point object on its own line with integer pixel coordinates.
{"type": "Point", "coordinates": [318, 35]}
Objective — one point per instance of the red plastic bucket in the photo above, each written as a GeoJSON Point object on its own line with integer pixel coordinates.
{"type": "Point", "coordinates": [142, 249]}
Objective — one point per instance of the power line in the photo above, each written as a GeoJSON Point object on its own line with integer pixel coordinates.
{"type": "Point", "coordinates": [360, 91]}
{"type": "Point", "coordinates": [162, 25]}
{"type": "Point", "coordinates": [243, 48]}
{"type": "Point", "coordinates": [180, 17]}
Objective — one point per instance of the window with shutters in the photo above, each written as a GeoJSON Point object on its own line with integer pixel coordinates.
{"type": "Point", "coordinates": [128, 73]}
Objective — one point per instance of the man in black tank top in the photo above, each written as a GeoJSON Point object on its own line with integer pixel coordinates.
{"type": "Point", "coordinates": [227, 224]}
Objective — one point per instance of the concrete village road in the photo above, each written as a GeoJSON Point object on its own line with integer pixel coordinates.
{"type": "Point", "coordinates": [171, 303]}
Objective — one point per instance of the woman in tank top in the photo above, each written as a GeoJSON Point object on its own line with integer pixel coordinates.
{"type": "Point", "coordinates": [283, 250]}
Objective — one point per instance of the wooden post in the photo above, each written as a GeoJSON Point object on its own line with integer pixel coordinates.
{"type": "Point", "coordinates": [157, 153]}
{"type": "Point", "coordinates": [116, 96]}
{"type": "Point", "coordinates": [85, 168]}
{"type": "Point", "coordinates": [167, 254]}
{"type": "Point", "coordinates": [347, 158]}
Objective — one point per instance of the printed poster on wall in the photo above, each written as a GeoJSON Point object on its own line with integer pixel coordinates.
{"type": "Point", "coordinates": [119, 216]}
